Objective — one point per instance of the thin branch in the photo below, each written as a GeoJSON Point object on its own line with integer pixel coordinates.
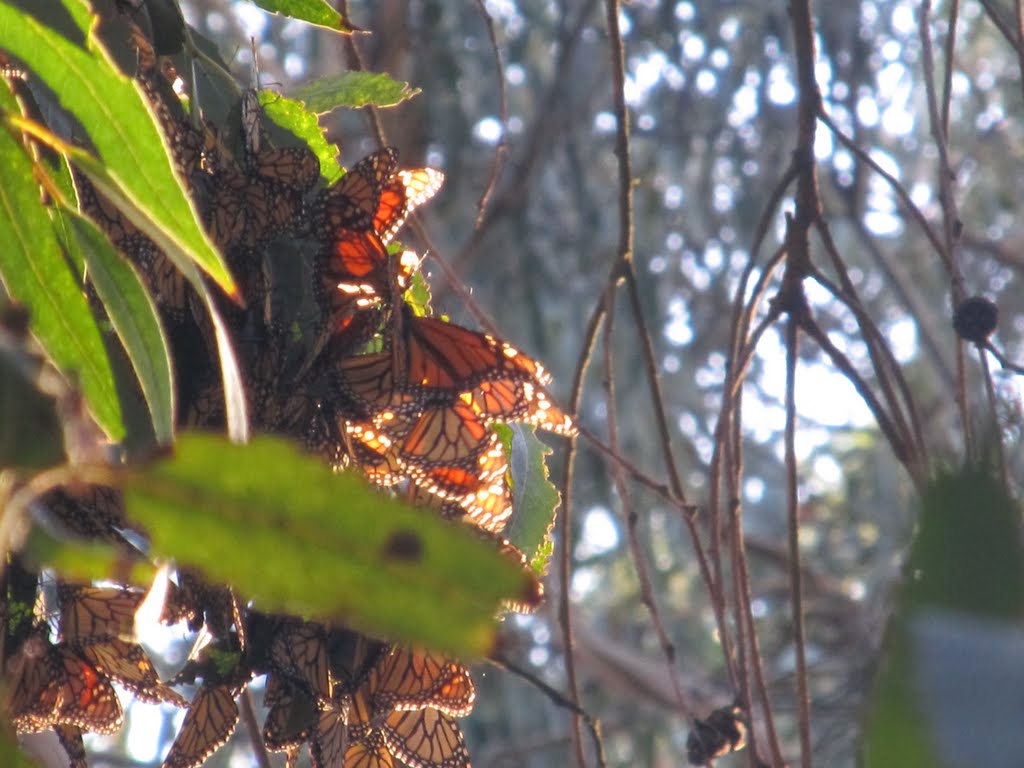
{"type": "Point", "coordinates": [564, 550]}
{"type": "Point", "coordinates": [631, 515]}
{"type": "Point", "coordinates": [502, 148]}
{"type": "Point", "coordinates": [793, 531]}
{"type": "Point", "coordinates": [559, 699]}
{"type": "Point", "coordinates": [259, 749]}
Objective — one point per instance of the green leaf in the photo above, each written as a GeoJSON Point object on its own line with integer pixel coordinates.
{"type": "Point", "coordinates": [112, 109]}
{"type": "Point", "coordinates": [35, 272]}
{"type": "Point", "coordinates": [80, 562]}
{"type": "Point", "coordinates": [134, 317]}
{"type": "Point", "coordinates": [353, 89]}
{"type": "Point", "coordinates": [313, 11]}
{"type": "Point", "coordinates": [295, 536]}
{"type": "Point", "coordinates": [965, 570]}
{"type": "Point", "coordinates": [536, 498]}
{"type": "Point", "coordinates": [295, 118]}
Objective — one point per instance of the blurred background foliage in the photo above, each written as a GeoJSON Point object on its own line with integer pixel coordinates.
{"type": "Point", "coordinates": [712, 99]}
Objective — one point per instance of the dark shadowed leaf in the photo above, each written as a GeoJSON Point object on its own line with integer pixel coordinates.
{"type": "Point", "coordinates": [297, 537]}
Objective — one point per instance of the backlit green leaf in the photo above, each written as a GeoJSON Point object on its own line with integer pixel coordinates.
{"type": "Point", "coordinates": [295, 536]}
{"type": "Point", "coordinates": [113, 111]}
{"type": "Point", "coordinates": [353, 89]}
{"type": "Point", "coordinates": [35, 272]}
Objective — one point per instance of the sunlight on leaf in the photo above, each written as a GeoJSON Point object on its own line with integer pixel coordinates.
{"type": "Point", "coordinates": [316, 12]}
{"type": "Point", "coordinates": [294, 117]}
{"type": "Point", "coordinates": [111, 108]}
{"type": "Point", "coordinates": [35, 272]}
{"type": "Point", "coordinates": [273, 522]}
{"type": "Point", "coordinates": [353, 89]}
{"type": "Point", "coordinates": [535, 496]}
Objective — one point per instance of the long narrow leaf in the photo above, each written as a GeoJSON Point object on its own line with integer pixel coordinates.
{"type": "Point", "coordinates": [134, 317]}
{"type": "Point", "coordinates": [35, 273]}
{"type": "Point", "coordinates": [114, 112]}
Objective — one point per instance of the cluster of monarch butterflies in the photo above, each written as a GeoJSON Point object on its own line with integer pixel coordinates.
{"type": "Point", "coordinates": [373, 385]}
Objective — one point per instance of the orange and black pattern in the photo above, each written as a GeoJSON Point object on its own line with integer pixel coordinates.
{"type": "Point", "coordinates": [335, 357]}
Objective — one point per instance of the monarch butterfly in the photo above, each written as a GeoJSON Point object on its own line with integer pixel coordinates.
{"type": "Point", "coordinates": [351, 204]}
{"type": "Point", "coordinates": [299, 652]}
{"type": "Point", "coordinates": [92, 511]}
{"type": "Point", "coordinates": [329, 745]}
{"type": "Point", "coordinates": [295, 168]}
{"type": "Point", "coordinates": [246, 210]}
{"type": "Point", "coordinates": [434, 362]}
{"type": "Point", "coordinates": [479, 487]}
{"type": "Point", "coordinates": [445, 360]}
{"type": "Point", "coordinates": [291, 717]}
{"type": "Point", "coordinates": [404, 192]}
{"type": "Point", "coordinates": [70, 738]}
{"type": "Point", "coordinates": [87, 699]}
{"type": "Point", "coordinates": [417, 442]}
{"type": "Point", "coordinates": [425, 738]}
{"type": "Point", "coordinates": [721, 733]}
{"type": "Point", "coordinates": [165, 281]}
{"type": "Point", "coordinates": [211, 718]}
{"type": "Point", "coordinates": [87, 612]}
{"type": "Point", "coordinates": [104, 213]}
{"type": "Point", "coordinates": [33, 684]}
{"type": "Point", "coordinates": [360, 215]}
{"type": "Point", "coordinates": [372, 752]}
{"type": "Point", "coordinates": [130, 665]}
{"type": "Point", "coordinates": [353, 658]}
{"type": "Point", "coordinates": [413, 679]}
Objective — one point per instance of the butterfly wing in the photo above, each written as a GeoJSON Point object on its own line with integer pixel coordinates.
{"type": "Point", "coordinates": [425, 738]}
{"type": "Point", "coordinates": [412, 679]}
{"type": "Point", "coordinates": [210, 720]}
{"type": "Point", "coordinates": [87, 700]}
{"type": "Point", "coordinates": [130, 665]}
{"type": "Point", "coordinates": [87, 612]}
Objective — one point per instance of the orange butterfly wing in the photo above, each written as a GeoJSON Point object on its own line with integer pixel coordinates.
{"type": "Point", "coordinates": [87, 698]}
{"type": "Point", "coordinates": [210, 720]}
{"type": "Point", "coordinates": [425, 738]}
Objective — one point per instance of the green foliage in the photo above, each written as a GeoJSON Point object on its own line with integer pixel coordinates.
{"type": "Point", "coordinates": [292, 116]}
{"type": "Point", "coordinates": [316, 12]}
{"type": "Point", "coordinates": [82, 563]}
{"type": "Point", "coordinates": [536, 498]}
{"type": "Point", "coordinates": [353, 89]}
{"type": "Point", "coordinates": [133, 315]}
{"type": "Point", "coordinates": [272, 522]}
{"type": "Point", "coordinates": [36, 274]}
{"type": "Point", "coordinates": [967, 519]}
{"type": "Point", "coordinates": [965, 561]}
{"type": "Point", "coordinates": [111, 108]}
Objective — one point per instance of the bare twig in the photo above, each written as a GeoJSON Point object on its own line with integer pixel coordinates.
{"type": "Point", "coordinates": [559, 699]}
{"type": "Point", "coordinates": [502, 148]}
{"type": "Point", "coordinates": [259, 749]}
